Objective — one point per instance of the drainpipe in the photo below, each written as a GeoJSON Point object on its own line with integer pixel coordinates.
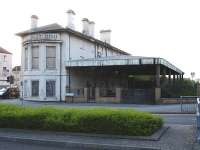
{"type": "Point", "coordinates": [60, 71]}
{"type": "Point", "coordinates": [69, 70]}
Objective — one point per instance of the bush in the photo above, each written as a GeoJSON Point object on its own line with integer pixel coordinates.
{"type": "Point", "coordinates": [102, 121]}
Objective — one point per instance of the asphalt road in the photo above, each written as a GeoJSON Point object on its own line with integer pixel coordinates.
{"type": "Point", "coordinates": [147, 108]}
{"type": "Point", "coordinates": [181, 119]}
{"type": "Point", "coordinates": [23, 146]}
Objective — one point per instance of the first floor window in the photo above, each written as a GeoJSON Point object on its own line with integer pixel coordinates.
{"type": "Point", "coordinates": [51, 57]}
{"type": "Point", "coordinates": [35, 57]}
{"type": "Point", "coordinates": [26, 59]}
{"type": "Point", "coordinates": [50, 88]}
{"type": "Point", "coordinates": [35, 88]}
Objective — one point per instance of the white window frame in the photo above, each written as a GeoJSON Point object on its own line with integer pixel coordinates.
{"type": "Point", "coordinates": [54, 94]}
{"type": "Point", "coordinates": [47, 67]}
{"type": "Point", "coordinates": [37, 68]}
{"type": "Point", "coordinates": [25, 58]}
{"type": "Point", "coordinates": [32, 88]}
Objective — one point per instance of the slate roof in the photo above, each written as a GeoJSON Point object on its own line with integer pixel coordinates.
{"type": "Point", "coordinates": [58, 28]}
{"type": "Point", "coordinates": [2, 50]}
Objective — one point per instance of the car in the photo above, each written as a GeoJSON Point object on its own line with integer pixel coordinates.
{"type": "Point", "coordinates": [9, 93]}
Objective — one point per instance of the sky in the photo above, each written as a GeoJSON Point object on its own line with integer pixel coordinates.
{"type": "Point", "coordinates": [168, 29]}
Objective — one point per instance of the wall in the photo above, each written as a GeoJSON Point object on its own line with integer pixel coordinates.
{"type": "Point", "coordinates": [7, 62]}
{"type": "Point", "coordinates": [71, 47]}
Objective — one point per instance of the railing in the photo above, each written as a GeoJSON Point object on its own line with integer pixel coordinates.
{"type": "Point", "coordinates": [137, 96]}
{"type": "Point", "coordinates": [107, 92]}
{"type": "Point", "coordinates": [188, 104]}
{"type": "Point", "coordinates": [198, 120]}
{"type": "Point", "coordinates": [76, 92]}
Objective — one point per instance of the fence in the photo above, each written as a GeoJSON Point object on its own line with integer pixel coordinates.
{"type": "Point", "coordinates": [76, 92]}
{"type": "Point", "coordinates": [138, 96]}
{"type": "Point", "coordinates": [188, 104]}
{"type": "Point", "coordinates": [198, 120]}
{"type": "Point", "coordinates": [107, 92]}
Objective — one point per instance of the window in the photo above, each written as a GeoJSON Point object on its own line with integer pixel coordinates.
{"type": "Point", "coordinates": [50, 88]}
{"type": "Point", "coordinates": [4, 58]}
{"type": "Point", "coordinates": [35, 88]}
{"type": "Point", "coordinates": [51, 57]}
{"type": "Point", "coordinates": [25, 88]}
{"type": "Point", "coordinates": [35, 57]}
{"type": "Point", "coordinates": [26, 59]}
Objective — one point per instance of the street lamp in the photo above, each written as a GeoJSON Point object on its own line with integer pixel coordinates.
{"type": "Point", "coordinates": [192, 75]}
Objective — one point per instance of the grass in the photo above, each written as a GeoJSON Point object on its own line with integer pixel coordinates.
{"type": "Point", "coordinates": [98, 120]}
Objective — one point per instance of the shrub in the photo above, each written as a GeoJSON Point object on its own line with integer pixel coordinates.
{"type": "Point", "coordinates": [184, 87]}
{"type": "Point", "coordinates": [103, 121]}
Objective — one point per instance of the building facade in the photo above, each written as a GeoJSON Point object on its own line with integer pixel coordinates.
{"type": "Point", "coordinates": [5, 66]}
{"type": "Point", "coordinates": [58, 62]}
{"type": "Point", "coordinates": [16, 73]}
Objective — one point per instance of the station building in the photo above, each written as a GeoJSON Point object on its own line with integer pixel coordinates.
{"type": "Point", "coordinates": [60, 63]}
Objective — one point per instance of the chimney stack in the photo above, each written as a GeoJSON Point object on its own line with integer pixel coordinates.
{"type": "Point", "coordinates": [34, 21]}
{"type": "Point", "coordinates": [70, 23]}
{"type": "Point", "coordinates": [91, 28]}
{"type": "Point", "coordinates": [105, 36]}
{"type": "Point", "coordinates": [85, 23]}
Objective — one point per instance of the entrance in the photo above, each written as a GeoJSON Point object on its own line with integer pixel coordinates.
{"type": "Point", "coordinates": [91, 95]}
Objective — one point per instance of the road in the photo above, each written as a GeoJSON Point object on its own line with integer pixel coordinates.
{"type": "Point", "coordinates": [147, 108]}
{"type": "Point", "coordinates": [23, 146]}
{"type": "Point", "coordinates": [181, 119]}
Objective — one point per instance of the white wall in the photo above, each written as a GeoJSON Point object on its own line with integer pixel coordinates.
{"type": "Point", "coordinates": [7, 62]}
{"type": "Point", "coordinates": [71, 48]}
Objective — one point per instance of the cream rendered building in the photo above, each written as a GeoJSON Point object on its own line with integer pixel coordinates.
{"type": "Point", "coordinates": [58, 61]}
{"type": "Point", "coordinates": [5, 66]}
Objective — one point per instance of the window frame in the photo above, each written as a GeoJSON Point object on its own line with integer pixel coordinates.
{"type": "Point", "coordinates": [33, 58]}
{"type": "Point", "coordinates": [38, 89]}
{"type": "Point", "coordinates": [50, 57]}
{"type": "Point", "coordinates": [25, 58]}
{"type": "Point", "coordinates": [54, 90]}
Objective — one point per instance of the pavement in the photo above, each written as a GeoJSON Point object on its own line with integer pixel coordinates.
{"type": "Point", "coordinates": [177, 137]}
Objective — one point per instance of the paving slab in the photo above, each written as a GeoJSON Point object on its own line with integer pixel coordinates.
{"type": "Point", "coordinates": [177, 137]}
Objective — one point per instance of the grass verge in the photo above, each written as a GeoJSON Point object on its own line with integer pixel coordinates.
{"type": "Point", "coordinates": [100, 121]}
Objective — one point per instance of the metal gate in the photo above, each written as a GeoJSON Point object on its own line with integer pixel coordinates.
{"type": "Point", "coordinates": [91, 95]}
{"type": "Point", "coordinates": [138, 96]}
{"type": "Point", "coordinates": [188, 104]}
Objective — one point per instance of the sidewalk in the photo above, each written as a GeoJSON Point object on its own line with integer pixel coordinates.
{"type": "Point", "coordinates": [177, 137]}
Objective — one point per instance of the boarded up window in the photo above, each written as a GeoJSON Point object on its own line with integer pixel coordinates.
{"type": "Point", "coordinates": [35, 88]}
{"type": "Point", "coordinates": [35, 57]}
{"type": "Point", "coordinates": [50, 88]}
{"type": "Point", "coordinates": [26, 59]}
{"type": "Point", "coordinates": [51, 57]}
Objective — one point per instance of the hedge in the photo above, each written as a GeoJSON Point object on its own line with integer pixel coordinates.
{"type": "Point", "coordinates": [100, 121]}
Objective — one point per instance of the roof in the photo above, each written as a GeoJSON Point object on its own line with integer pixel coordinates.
{"type": "Point", "coordinates": [2, 50]}
{"type": "Point", "coordinates": [50, 27]}
{"type": "Point", "coordinates": [122, 61]}
{"type": "Point", "coordinates": [58, 28]}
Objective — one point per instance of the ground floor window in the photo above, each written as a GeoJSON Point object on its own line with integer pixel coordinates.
{"type": "Point", "coordinates": [50, 88]}
{"type": "Point", "coordinates": [25, 88]}
{"type": "Point", "coordinates": [35, 88]}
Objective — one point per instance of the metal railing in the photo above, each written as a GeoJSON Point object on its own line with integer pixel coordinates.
{"type": "Point", "coordinates": [188, 104]}
{"type": "Point", "coordinates": [198, 120]}
{"type": "Point", "coordinates": [107, 92]}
